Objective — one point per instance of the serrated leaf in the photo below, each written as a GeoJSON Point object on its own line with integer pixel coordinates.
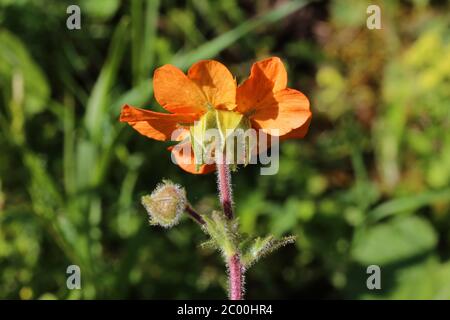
{"type": "Point", "coordinates": [209, 245]}
{"type": "Point", "coordinates": [260, 247]}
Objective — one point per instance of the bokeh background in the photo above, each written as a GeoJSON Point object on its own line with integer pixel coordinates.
{"type": "Point", "coordinates": [370, 184]}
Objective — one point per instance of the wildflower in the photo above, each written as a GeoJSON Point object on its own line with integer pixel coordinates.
{"type": "Point", "coordinates": [208, 96]}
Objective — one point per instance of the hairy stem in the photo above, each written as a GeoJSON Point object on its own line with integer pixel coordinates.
{"type": "Point", "coordinates": [235, 278]}
{"type": "Point", "coordinates": [224, 185]}
{"type": "Point", "coordinates": [235, 269]}
{"type": "Point", "coordinates": [194, 215]}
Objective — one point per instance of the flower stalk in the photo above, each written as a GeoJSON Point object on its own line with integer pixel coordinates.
{"type": "Point", "coordinates": [235, 268]}
{"type": "Point", "coordinates": [194, 215]}
{"type": "Point", "coordinates": [224, 185]}
{"type": "Point", "coordinates": [236, 277]}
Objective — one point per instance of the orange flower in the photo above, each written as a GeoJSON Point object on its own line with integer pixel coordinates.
{"type": "Point", "coordinates": [263, 99]}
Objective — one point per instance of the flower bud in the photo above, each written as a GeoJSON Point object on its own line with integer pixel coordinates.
{"type": "Point", "coordinates": [166, 204]}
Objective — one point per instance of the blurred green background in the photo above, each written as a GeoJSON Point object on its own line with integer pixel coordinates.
{"type": "Point", "coordinates": [370, 184]}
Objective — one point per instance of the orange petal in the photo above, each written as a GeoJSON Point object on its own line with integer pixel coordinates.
{"type": "Point", "coordinates": [175, 92]}
{"type": "Point", "coordinates": [187, 161]}
{"type": "Point", "coordinates": [155, 125]}
{"type": "Point", "coordinates": [298, 133]}
{"type": "Point", "coordinates": [282, 112]}
{"type": "Point", "coordinates": [294, 134]}
{"type": "Point", "coordinates": [216, 82]}
{"type": "Point", "coordinates": [266, 77]}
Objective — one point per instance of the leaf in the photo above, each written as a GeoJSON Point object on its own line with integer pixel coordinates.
{"type": "Point", "coordinates": [223, 233]}
{"type": "Point", "coordinates": [144, 18]}
{"type": "Point", "coordinates": [137, 95]}
{"type": "Point", "coordinates": [96, 109]}
{"type": "Point", "coordinates": [47, 203]}
{"type": "Point", "coordinates": [398, 239]}
{"type": "Point", "coordinates": [409, 203]}
{"type": "Point", "coordinates": [260, 247]}
{"type": "Point", "coordinates": [209, 245]}
{"type": "Point", "coordinates": [69, 164]}
{"type": "Point", "coordinates": [427, 279]}
{"type": "Point", "coordinates": [100, 9]}
{"type": "Point", "coordinates": [18, 69]}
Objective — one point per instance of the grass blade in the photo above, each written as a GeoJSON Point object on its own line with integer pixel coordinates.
{"type": "Point", "coordinates": [409, 203]}
{"type": "Point", "coordinates": [99, 99]}
{"type": "Point", "coordinates": [213, 47]}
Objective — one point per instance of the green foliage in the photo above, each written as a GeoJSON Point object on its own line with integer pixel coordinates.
{"type": "Point", "coordinates": [223, 232]}
{"type": "Point", "coordinates": [407, 237]}
{"type": "Point", "coordinates": [368, 185]}
{"type": "Point", "coordinates": [255, 249]}
{"type": "Point", "coordinates": [27, 83]}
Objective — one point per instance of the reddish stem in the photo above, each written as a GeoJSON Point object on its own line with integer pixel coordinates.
{"type": "Point", "coordinates": [236, 278]}
{"type": "Point", "coordinates": [194, 215]}
{"type": "Point", "coordinates": [235, 268]}
{"type": "Point", "coordinates": [224, 185]}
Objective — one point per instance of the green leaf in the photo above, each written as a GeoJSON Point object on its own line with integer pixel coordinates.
{"type": "Point", "coordinates": [422, 280]}
{"type": "Point", "coordinates": [97, 106]}
{"type": "Point", "coordinates": [136, 11]}
{"type": "Point", "coordinates": [100, 9]}
{"type": "Point", "coordinates": [409, 203]}
{"type": "Point", "coordinates": [20, 74]}
{"type": "Point", "coordinates": [427, 280]}
{"type": "Point", "coordinates": [209, 245]}
{"type": "Point", "coordinates": [47, 203]}
{"type": "Point", "coordinates": [137, 95]}
{"type": "Point", "coordinates": [144, 18]}
{"type": "Point", "coordinates": [223, 233]}
{"type": "Point", "coordinates": [69, 164]}
{"type": "Point", "coordinates": [398, 239]}
{"type": "Point", "coordinates": [253, 250]}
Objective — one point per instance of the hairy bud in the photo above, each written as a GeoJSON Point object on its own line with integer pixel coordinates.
{"type": "Point", "coordinates": [166, 204]}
